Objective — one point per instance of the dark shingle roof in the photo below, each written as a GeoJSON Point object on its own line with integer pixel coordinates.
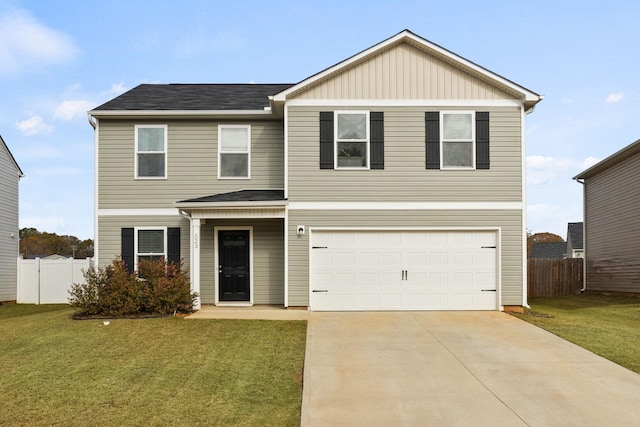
{"type": "Point", "coordinates": [241, 196]}
{"type": "Point", "coordinates": [574, 234]}
{"type": "Point", "coordinates": [548, 250]}
{"type": "Point", "coordinates": [195, 97]}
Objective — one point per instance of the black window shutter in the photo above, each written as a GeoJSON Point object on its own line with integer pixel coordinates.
{"type": "Point", "coordinates": [376, 133]}
{"type": "Point", "coordinates": [173, 245]}
{"type": "Point", "coordinates": [326, 140]}
{"type": "Point", "coordinates": [482, 140]}
{"type": "Point", "coordinates": [432, 139]}
{"type": "Point", "coordinates": [126, 248]}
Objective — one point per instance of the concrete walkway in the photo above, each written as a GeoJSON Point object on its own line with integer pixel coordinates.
{"type": "Point", "coordinates": [457, 369]}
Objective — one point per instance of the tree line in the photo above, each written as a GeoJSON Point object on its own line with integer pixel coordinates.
{"type": "Point", "coordinates": [34, 243]}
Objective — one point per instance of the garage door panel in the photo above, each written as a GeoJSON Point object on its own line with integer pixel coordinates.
{"type": "Point", "coordinates": [407, 270]}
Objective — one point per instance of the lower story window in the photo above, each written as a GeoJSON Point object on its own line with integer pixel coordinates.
{"type": "Point", "coordinates": [151, 244]}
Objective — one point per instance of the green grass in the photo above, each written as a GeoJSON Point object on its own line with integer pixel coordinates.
{"type": "Point", "coordinates": [606, 325]}
{"type": "Point", "coordinates": [162, 371]}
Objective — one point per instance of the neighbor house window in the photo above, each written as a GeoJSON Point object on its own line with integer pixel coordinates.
{"type": "Point", "coordinates": [458, 139]}
{"type": "Point", "coordinates": [150, 244]}
{"type": "Point", "coordinates": [151, 151]}
{"type": "Point", "coordinates": [352, 139]}
{"type": "Point", "coordinates": [234, 151]}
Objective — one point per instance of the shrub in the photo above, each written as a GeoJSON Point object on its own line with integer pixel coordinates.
{"type": "Point", "coordinates": [157, 288]}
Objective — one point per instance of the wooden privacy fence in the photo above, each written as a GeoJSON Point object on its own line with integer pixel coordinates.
{"type": "Point", "coordinates": [554, 277]}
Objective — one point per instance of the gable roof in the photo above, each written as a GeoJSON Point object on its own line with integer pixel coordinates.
{"type": "Point", "coordinates": [574, 234]}
{"type": "Point", "coordinates": [13, 160]}
{"type": "Point", "coordinates": [615, 158]}
{"type": "Point", "coordinates": [527, 96]}
{"type": "Point", "coordinates": [192, 97]}
{"type": "Point", "coordinates": [548, 250]}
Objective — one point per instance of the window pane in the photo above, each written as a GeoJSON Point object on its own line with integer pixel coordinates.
{"type": "Point", "coordinates": [150, 139]}
{"type": "Point", "coordinates": [151, 241]}
{"type": "Point", "coordinates": [457, 126]}
{"type": "Point", "coordinates": [352, 154]}
{"type": "Point", "coordinates": [234, 165]}
{"type": "Point", "coordinates": [234, 139]}
{"type": "Point", "coordinates": [352, 126]}
{"type": "Point", "coordinates": [457, 154]}
{"type": "Point", "coordinates": [151, 164]}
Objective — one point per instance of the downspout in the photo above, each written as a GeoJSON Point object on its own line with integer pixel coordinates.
{"type": "Point", "coordinates": [584, 235]}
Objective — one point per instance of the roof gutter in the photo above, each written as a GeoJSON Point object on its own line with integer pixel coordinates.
{"type": "Point", "coordinates": [91, 122]}
{"type": "Point", "coordinates": [584, 240]}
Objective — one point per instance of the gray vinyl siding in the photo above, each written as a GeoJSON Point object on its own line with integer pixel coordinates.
{"type": "Point", "coordinates": [404, 178]}
{"type": "Point", "coordinates": [268, 259]}
{"type": "Point", "coordinates": [109, 229]}
{"type": "Point", "coordinates": [612, 224]}
{"type": "Point", "coordinates": [268, 251]}
{"type": "Point", "coordinates": [9, 178]}
{"type": "Point", "coordinates": [509, 221]}
{"type": "Point", "coordinates": [192, 158]}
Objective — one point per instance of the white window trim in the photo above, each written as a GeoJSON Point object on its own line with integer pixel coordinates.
{"type": "Point", "coordinates": [166, 157]}
{"type": "Point", "coordinates": [135, 244]}
{"type": "Point", "coordinates": [336, 140]}
{"type": "Point", "coordinates": [473, 140]}
{"type": "Point", "coordinates": [248, 152]}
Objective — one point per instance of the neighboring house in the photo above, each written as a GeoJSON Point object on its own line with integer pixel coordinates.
{"type": "Point", "coordinates": [10, 175]}
{"type": "Point", "coordinates": [575, 248]}
{"type": "Point", "coordinates": [555, 250]}
{"type": "Point", "coordinates": [392, 180]}
{"type": "Point", "coordinates": [612, 222]}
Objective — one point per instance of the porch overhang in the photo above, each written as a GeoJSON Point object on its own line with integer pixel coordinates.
{"type": "Point", "coordinates": [238, 204]}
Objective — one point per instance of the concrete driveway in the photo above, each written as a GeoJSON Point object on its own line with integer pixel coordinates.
{"type": "Point", "coordinates": [457, 369]}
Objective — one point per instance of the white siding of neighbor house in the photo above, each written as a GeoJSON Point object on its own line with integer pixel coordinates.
{"type": "Point", "coordinates": [9, 178]}
{"type": "Point", "coordinates": [508, 221]}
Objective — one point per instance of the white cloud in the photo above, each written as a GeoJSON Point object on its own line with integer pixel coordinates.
{"type": "Point", "coordinates": [117, 88]}
{"type": "Point", "coordinates": [68, 110]}
{"type": "Point", "coordinates": [546, 170]}
{"type": "Point", "coordinates": [34, 125]}
{"type": "Point", "coordinates": [543, 217]}
{"type": "Point", "coordinates": [614, 98]}
{"type": "Point", "coordinates": [25, 43]}
{"type": "Point", "coordinates": [589, 161]}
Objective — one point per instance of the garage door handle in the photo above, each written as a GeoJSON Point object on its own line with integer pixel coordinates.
{"type": "Point", "coordinates": [320, 290]}
{"type": "Point", "coordinates": [489, 290]}
{"type": "Point", "coordinates": [318, 247]}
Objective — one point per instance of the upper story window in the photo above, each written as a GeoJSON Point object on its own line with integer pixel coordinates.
{"type": "Point", "coordinates": [234, 151]}
{"type": "Point", "coordinates": [352, 139]}
{"type": "Point", "coordinates": [458, 140]}
{"type": "Point", "coordinates": [151, 151]}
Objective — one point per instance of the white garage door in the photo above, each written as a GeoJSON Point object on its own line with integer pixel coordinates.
{"type": "Point", "coordinates": [403, 270]}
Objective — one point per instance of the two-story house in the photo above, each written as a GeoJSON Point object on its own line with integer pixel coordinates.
{"type": "Point", "coordinates": [10, 174]}
{"type": "Point", "coordinates": [393, 180]}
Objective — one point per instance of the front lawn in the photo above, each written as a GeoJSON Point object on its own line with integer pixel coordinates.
{"type": "Point", "coordinates": [606, 325]}
{"type": "Point", "coordinates": [162, 371]}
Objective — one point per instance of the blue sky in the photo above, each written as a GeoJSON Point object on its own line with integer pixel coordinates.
{"type": "Point", "coordinates": [59, 59]}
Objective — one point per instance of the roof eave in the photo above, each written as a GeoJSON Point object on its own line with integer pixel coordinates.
{"type": "Point", "coordinates": [616, 157]}
{"type": "Point", "coordinates": [232, 205]}
{"type": "Point", "coordinates": [127, 114]}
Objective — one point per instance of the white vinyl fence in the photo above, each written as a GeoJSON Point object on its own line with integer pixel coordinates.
{"type": "Point", "coordinates": [48, 281]}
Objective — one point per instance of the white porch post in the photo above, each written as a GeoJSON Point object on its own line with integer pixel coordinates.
{"type": "Point", "coordinates": [195, 260]}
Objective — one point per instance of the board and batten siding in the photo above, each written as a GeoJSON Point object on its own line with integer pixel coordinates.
{"type": "Point", "coordinates": [192, 159]}
{"type": "Point", "coordinates": [9, 178]}
{"type": "Point", "coordinates": [403, 71]}
{"type": "Point", "coordinates": [509, 222]}
{"type": "Point", "coordinates": [268, 259]}
{"type": "Point", "coordinates": [404, 177]}
{"type": "Point", "coordinates": [612, 228]}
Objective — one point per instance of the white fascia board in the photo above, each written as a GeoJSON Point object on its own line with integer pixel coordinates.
{"type": "Point", "coordinates": [234, 205]}
{"type": "Point", "coordinates": [527, 95]}
{"type": "Point", "coordinates": [405, 206]}
{"type": "Point", "coordinates": [435, 103]}
{"type": "Point", "coordinates": [178, 113]}
{"type": "Point", "coordinates": [139, 212]}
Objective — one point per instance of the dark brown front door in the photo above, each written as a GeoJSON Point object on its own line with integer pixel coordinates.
{"type": "Point", "coordinates": [233, 268]}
